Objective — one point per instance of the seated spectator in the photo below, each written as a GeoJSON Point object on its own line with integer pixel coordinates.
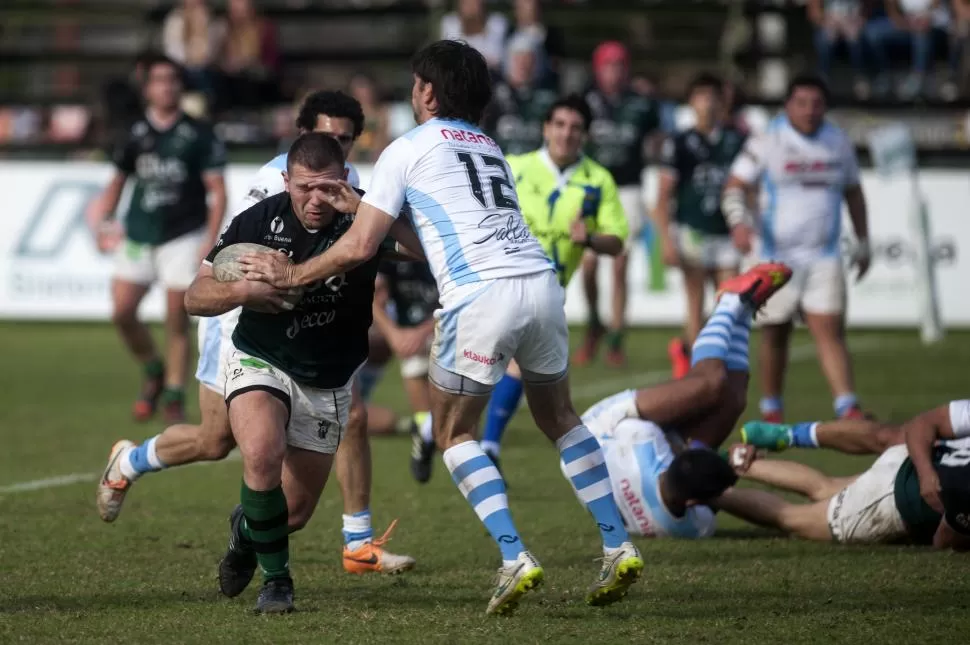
{"type": "Point", "coordinates": [912, 22]}
{"type": "Point", "coordinates": [519, 106]}
{"type": "Point", "coordinates": [547, 42]}
{"type": "Point", "coordinates": [249, 61]}
{"type": "Point", "coordinates": [484, 32]}
{"type": "Point", "coordinates": [839, 21]}
{"type": "Point", "coordinates": [191, 36]}
{"type": "Point", "coordinates": [374, 138]}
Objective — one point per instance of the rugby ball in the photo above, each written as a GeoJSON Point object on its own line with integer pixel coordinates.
{"type": "Point", "coordinates": [226, 266]}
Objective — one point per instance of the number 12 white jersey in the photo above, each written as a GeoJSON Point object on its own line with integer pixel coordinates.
{"type": "Point", "coordinates": [462, 201]}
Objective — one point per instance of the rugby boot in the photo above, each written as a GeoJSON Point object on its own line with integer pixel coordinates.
{"type": "Point", "coordinates": [770, 436]}
{"type": "Point", "coordinates": [371, 557]}
{"type": "Point", "coordinates": [238, 565]}
{"type": "Point", "coordinates": [151, 391]}
{"type": "Point", "coordinates": [113, 485]}
{"type": "Point", "coordinates": [422, 456]}
{"type": "Point", "coordinates": [587, 351]}
{"type": "Point", "coordinates": [276, 597]}
{"type": "Point", "coordinates": [620, 570]}
{"type": "Point", "coordinates": [679, 356]}
{"type": "Point", "coordinates": [513, 582]}
{"type": "Point", "coordinates": [758, 283]}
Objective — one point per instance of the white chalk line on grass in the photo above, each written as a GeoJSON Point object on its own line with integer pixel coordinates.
{"type": "Point", "coordinates": [799, 353]}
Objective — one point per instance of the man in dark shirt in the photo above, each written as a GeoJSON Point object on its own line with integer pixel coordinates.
{"type": "Point", "coordinates": [291, 373]}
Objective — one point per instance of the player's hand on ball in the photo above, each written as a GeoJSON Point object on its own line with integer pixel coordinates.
{"type": "Point", "coordinates": [273, 268]}
{"type": "Point", "coordinates": [339, 194]}
{"type": "Point", "coordinates": [263, 297]}
{"type": "Point", "coordinates": [741, 235]}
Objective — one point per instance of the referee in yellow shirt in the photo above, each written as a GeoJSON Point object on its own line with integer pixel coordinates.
{"type": "Point", "coordinates": [570, 203]}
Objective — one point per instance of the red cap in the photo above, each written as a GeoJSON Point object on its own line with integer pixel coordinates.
{"type": "Point", "coordinates": [610, 51]}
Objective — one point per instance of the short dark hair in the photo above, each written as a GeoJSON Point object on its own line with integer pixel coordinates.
{"type": "Point", "coordinates": [459, 78]}
{"type": "Point", "coordinates": [808, 79]}
{"type": "Point", "coordinates": [699, 474]}
{"type": "Point", "coordinates": [314, 151]}
{"type": "Point", "coordinates": [332, 103]}
{"type": "Point", "coordinates": [573, 102]}
{"type": "Point", "coordinates": [706, 80]}
{"type": "Point", "coordinates": [151, 60]}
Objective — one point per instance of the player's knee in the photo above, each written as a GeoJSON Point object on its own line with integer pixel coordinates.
{"type": "Point", "coordinates": [356, 420]}
{"type": "Point", "coordinates": [124, 316]}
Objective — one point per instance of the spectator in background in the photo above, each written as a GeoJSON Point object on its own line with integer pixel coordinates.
{"type": "Point", "coordinates": [374, 137]}
{"type": "Point", "coordinates": [518, 109]}
{"type": "Point", "coordinates": [913, 22]}
{"type": "Point", "coordinates": [959, 35]}
{"type": "Point", "coordinates": [191, 36]}
{"type": "Point", "coordinates": [839, 21]}
{"type": "Point", "coordinates": [249, 60]}
{"type": "Point", "coordinates": [483, 31]}
{"type": "Point", "coordinates": [547, 42]}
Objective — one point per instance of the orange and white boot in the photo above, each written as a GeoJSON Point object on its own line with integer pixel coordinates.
{"type": "Point", "coordinates": [758, 283]}
{"type": "Point", "coordinates": [371, 557]}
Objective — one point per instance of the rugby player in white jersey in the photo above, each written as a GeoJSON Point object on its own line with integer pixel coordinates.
{"type": "Point", "coordinates": [663, 487]}
{"type": "Point", "coordinates": [500, 299]}
{"type": "Point", "coordinates": [805, 168]}
{"type": "Point", "coordinates": [341, 117]}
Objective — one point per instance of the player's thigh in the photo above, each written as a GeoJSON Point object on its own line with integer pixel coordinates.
{"type": "Point", "coordinates": [215, 416]}
{"type": "Point", "coordinates": [134, 264]}
{"type": "Point", "coordinates": [865, 512]}
{"type": "Point", "coordinates": [177, 261]}
{"type": "Point", "coordinates": [634, 208]}
{"type": "Point", "coordinates": [476, 337]}
{"type": "Point", "coordinates": [824, 292]}
{"type": "Point", "coordinates": [259, 401]}
{"type": "Point", "coordinates": [305, 474]}
{"type": "Point", "coordinates": [808, 521]}
{"type": "Point", "coordinates": [542, 353]}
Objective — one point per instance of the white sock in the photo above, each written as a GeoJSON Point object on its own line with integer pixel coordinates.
{"type": "Point", "coordinates": [424, 429]}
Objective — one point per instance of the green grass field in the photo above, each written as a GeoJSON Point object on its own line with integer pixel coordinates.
{"type": "Point", "coordinates": [150, 577]}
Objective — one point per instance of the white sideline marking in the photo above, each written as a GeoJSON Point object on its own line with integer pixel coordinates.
{"type": "Point", "coordinates": [799, 353]}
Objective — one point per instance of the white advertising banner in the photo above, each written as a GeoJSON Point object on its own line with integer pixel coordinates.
{"type": "Point", "coordinates": [51, 270]}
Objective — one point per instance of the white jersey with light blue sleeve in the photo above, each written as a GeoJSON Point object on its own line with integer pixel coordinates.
{"type": "Point", "coordinates": [637, 453]}
{"type": "Point", "coordinates": [803, 179]}
{"type": "Point", "coordinates": [463, 204]}
{"type": "Point", "coordinates": [215, 333]}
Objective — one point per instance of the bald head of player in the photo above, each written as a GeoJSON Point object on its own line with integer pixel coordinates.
{"type": "Point", "coordinates": [451, 81]}
{"type": "Point", "coordinates": [806, 102]}
{"type": "Point", "coordinates": [313, 158]}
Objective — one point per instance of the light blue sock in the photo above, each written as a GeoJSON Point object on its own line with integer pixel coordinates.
{"type": "Point", "coordinates": [738, 350]}
{"type": "Point", "coordinates": [357, 529]}
{"type": "Point", "coordinates": [501, 406]}
{"type": "Point", "coordinates": [770, 404]}
{"type": "Point", "coordinates": [141, 459]}
{"type": "Point", "coordinates": [585, 467]}
{"type": "Point", "coordinates": [803, 435]}
{"type": "Point", "coordinates": [715, 338]}
{"type": "Point", "coordinates": [482, 485]}
{"type": "Point", "coordinates": [845, 402]}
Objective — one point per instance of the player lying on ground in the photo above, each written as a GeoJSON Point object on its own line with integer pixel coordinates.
{"type": "Point", "coordinates": [500, 299]}
{"type": "Point", "coordinates": [174, 215]}
{"type": "Point", "coordinates": [339, 116]}
{"type": "Point", "coordinates": [915, 492]}
{"type": "Point", "coordinates": [661, 488]}
{"type": "Point", "coordinates": [291, 373]}
{"type": "Point", "coordinates": [571, 205]}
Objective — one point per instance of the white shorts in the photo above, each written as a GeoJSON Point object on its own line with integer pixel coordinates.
{"type": "Point", "coordinates": [172, 264]}
{"type": "Point", "coordinates": [635, 209]}
{"type": "Point", "coordinates": [215, 346]}
{"type": "Point", "coordinates": [815, 288]}
{"type": "Point", "coordinates": [705, 251]}
{"type": "Point", "coordinates": [864, 512]}
{"type": "Point", "coordinates": [317, 417]}
{"type": "Point", "coordinates": [492, 322]}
